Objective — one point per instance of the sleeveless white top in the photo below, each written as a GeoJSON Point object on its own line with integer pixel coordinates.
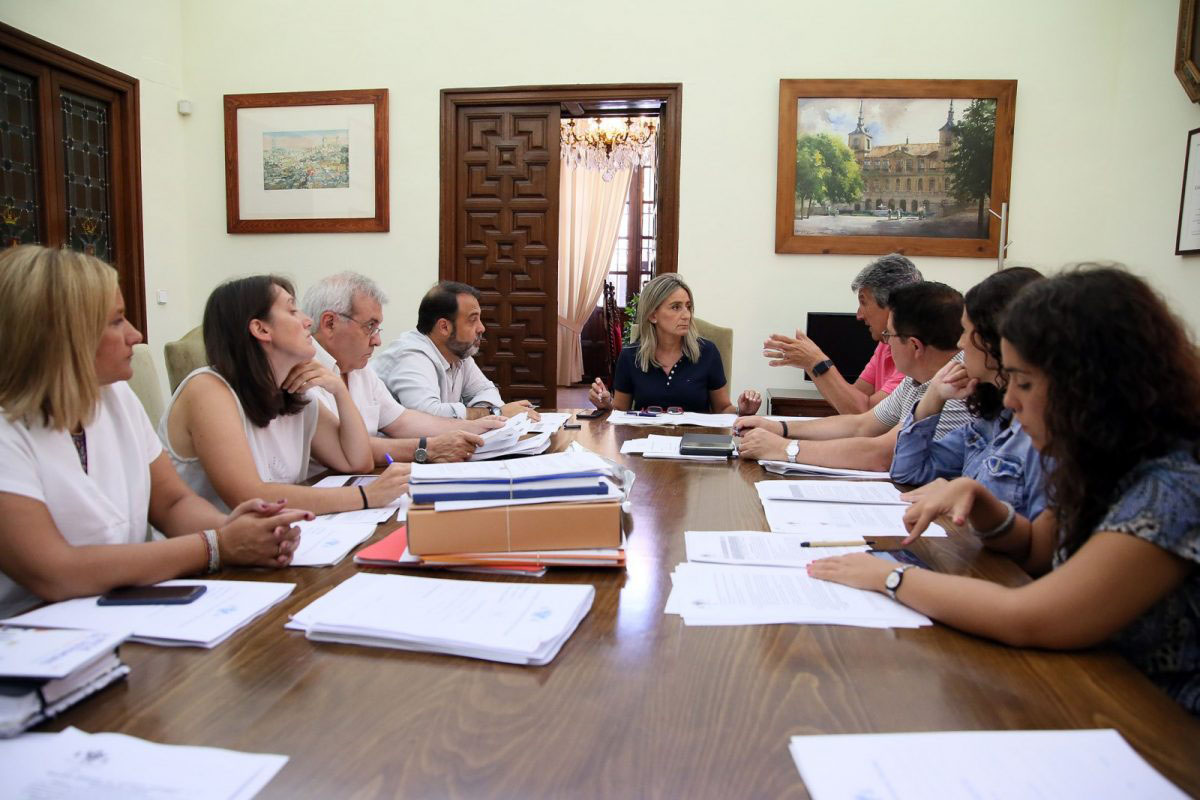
{"type": "Point", "coordinates": [280, 450]}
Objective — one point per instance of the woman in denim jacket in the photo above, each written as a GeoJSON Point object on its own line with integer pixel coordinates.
{"type": "Point", "coordinates": [992, 449]}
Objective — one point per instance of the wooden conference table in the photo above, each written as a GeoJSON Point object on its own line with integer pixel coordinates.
{"type": "Point", "coordinates": [635, 704]}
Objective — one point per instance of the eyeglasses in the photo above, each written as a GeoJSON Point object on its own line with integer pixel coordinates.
{"type": "Point", "coordinates": [369, 328]}
{"type": "Point", "coordinates": [668, 410]}
{"type": "Point", "coordinates": [886, 335]}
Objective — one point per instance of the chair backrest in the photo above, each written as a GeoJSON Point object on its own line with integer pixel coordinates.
{"type": "Point", "coordinates": [722, 338]}
{"type": "Point", "coordinates": [184, 355]}
{"type": "Point", "coordinates": [145, 383]}
{"type": "Point", "coordinates": [613, 324]}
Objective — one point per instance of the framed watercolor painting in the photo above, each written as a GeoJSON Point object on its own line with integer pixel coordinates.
{"type": "Point", "coordinates": [880, 166]}
{"type": "Point", "coordinates": [307, 162]}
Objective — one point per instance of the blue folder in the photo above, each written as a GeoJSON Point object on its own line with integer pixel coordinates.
{"type": "Point", "coordinates": [433, 493]}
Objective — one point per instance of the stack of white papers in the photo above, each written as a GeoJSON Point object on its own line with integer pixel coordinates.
{"type": "Point", "coordinates": [572, 473]}
{"type": "Point", "coordinates": [207, 621]}
{"type": "Point", "coordinates": [508, 441]}
{"type": "Point", "coordinates": [500, 438]}
{"type": "Point", "coordinates": [515, 623]}
{"type": "Point", "coordinates": [655, 446]}
{"type": "Point", "coordinates": [967, 765]}
{"type": "Point", "coordinates": [869, 492]}
{"type": "Point", "coordinates": [77, 764]}
{"type": "Point", "coordinates": [43, 672]}
{"type": "Point", "coordinates": [721, 594]}
{"type": "Point", "coordinates": [325, 542]}
{"type": "Point", "coordinates": [686, 418]}
{"type": "Point", "coordinates": [833, 519]}
{"type": "Point", "coordinates": [788, 468]}
{"type": "Point", "coordinates": [528, 446]}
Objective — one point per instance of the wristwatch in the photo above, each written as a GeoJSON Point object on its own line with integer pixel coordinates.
{"type": "Point", "coordinates": [421, 455]}
{"type": "Point", "coordinates": [494, 410]}
{"type": "Point", "coordinates": [821, 367]}
{"type": "Point", "coordinates": [892, 581]}
{"type": "Point", "coordinates": [793, 449]}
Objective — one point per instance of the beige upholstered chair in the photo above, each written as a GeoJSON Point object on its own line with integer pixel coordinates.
{"type": "Point", "coordinates": [184, 355]}
{"type": "Point", "coordinates": [722, 338]}
{"type": "Point", "coordinates": [145, 383]}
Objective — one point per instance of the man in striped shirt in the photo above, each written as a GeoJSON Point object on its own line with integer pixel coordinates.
{"type": "Point", "coordinates": [924, 324]}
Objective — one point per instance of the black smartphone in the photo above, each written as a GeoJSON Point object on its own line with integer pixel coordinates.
{"type": "Point", "coordinates": [900, 557]}
{"type": "Point", "coordinates": [151, 595]}
{"type": "Point", "coordinates": [593, 414]}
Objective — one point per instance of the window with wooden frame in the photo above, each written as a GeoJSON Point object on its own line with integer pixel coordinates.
{"type": "Point", "coordinates": [635, 257]}
{"type": "Point", "coordinates": [70, 164]}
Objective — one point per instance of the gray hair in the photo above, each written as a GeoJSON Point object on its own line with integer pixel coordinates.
{"type": "Point", "coordinates": [653, 295]}
{"type": "Point", "coordinates": [336, 294]}
{"type": "Point", "coordinates": [884, 274]}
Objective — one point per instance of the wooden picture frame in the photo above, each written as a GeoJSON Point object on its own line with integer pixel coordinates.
{"type": "Point", "coordinates": [1187, 48]}
{"type": "Point", "coordinates": [1187, 230]}
{"type": "Point", "coordinates": [870, 201]}
{"type": "Point", "coordinates": [307, 162]}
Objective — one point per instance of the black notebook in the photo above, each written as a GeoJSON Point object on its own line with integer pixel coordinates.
{"type": "Point", "coordinates": [706, 444]}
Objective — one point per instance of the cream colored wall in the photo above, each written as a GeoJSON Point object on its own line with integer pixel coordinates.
{"type": "Point", "coordinates": [1095, 87]}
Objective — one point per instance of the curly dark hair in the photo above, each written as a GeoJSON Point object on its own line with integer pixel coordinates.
{"type": "Point", "coordinates": [985, 303]}
{"type": "Point", "coordinates": [1082, 328]}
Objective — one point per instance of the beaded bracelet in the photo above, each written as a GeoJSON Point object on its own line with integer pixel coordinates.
{"type": "Point", "coordinates": [1000, 529]}
{"type": "Point", "coordinates": [212, 547]}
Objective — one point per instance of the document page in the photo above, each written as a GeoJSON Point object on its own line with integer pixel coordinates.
{"type": "Point", "coordinates": [569, 463]}
{"type": "Point", "coordinates": [872, 492]}
{"type": "Point", "coordinates": [687, 418]}
{"type": "Point", "coordinates": [757, 547]}
{"type": "Point", "coordinates": [717, 594]}
{"type": "Point", "coordinates": [225, 607]}
{"type": "Point", "coordinates": [72, 763]}
{"type": "Point", "coordinates": [49, 653]}
{"type": "Point", "coordinates": [788, 468]}
{"type": "Point", "coordinates": [968, 765]}
{"type": "Point", "coordinates": [324, 543]}
{"type": "Point", "coordinates": [826, 521]}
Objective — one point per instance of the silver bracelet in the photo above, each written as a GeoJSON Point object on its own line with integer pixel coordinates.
{"type": "Point", "coordinates": [214, 551]}
{"type": "Point", "coordinates": [1000, 529]}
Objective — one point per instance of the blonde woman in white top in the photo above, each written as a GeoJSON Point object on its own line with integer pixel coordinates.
{"type": "Point", "coordinates": [81, 471]}
{"type": "Point", "coordinates": [242, 427]}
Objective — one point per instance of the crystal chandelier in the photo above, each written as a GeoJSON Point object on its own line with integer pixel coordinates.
{"type": "Point", "coordinates": [608, 146]}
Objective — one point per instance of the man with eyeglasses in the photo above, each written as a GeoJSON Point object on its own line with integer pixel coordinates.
{"type": "Point", "coordinates": [433, 368]}
{"type": "Point", "coordinates": [347, 314]}
{"type": "Point", "coordinates": [923, 327]}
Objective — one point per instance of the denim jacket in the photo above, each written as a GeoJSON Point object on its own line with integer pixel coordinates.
{"type": "Point", "coordinates": [997, 453]}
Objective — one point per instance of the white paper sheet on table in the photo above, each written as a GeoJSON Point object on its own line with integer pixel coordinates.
{"type": "Point", "coordinates": [567, 463]}
{"type": "Point", "coordinates": [224, 608]}
{"type": "Point", "coordinates": [869, 492]}
{"type": "Point", "coordinates": [399, 506]}
{"type": "Point", "coordinates": [687, 418]}
{"type": "Point", "coordinates": [550, 422]}
{"type": "Point", "coordinates": [788, 468]}
{"type": "Point", "coordinates": [721, 594]}
{"type": "Point", "coordinates": [789, 420]}
{"type": "Point", "coordinates": [52, 654]}
{"type": "Point", "coordinates": [832, 521]}
{"type": "Point", "coordinates": [463, 505]}
{"type": "Point", "coordinates": [757, 548]}
{"type": "Point", "coordinates": [77, 764]}
{"type": "Point", "coordinates": [655, 446]}
{"type": "Point", "coordinates": [967, 765]}
{"type": "Point", "coordinates": [324, 543]}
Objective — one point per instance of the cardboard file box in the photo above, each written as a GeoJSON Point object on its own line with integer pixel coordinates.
{"type": "Point", "coordinates": [502, 529]}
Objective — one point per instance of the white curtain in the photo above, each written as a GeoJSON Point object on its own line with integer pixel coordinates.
{"type": "Point", "coordinates": [589, 215]}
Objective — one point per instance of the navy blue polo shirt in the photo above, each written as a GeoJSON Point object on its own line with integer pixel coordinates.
{"type": "Point", "coordinates": [687, 385]}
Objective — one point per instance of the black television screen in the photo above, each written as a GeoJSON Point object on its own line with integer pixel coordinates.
{"type": "Point", "coordinates": [844, 339]}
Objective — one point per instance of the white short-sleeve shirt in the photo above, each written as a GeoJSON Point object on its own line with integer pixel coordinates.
{"type": "Point", "coordinates": [368, 391]}
{"type": "Point", "coordinates": [109, 503]}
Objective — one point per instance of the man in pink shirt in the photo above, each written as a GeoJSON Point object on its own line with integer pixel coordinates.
{"type": "Point", "coordinates": [873, 285]}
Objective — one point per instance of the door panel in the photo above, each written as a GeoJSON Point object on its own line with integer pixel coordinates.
{"type": "Point", "coordinates": [505, 242]}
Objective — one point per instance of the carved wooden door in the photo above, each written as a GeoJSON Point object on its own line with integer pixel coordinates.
{"type": "Point", "coordinates": [500, 235]}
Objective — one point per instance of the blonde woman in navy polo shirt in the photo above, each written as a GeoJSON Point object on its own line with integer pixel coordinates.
{"type": "Point", "coordinates": [667, 365]}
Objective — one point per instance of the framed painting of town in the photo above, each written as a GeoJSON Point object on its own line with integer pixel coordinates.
{"type": "Point", "coordinates": [307, 162]}
{"type": "Point", "coordinates": [881, 166]}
